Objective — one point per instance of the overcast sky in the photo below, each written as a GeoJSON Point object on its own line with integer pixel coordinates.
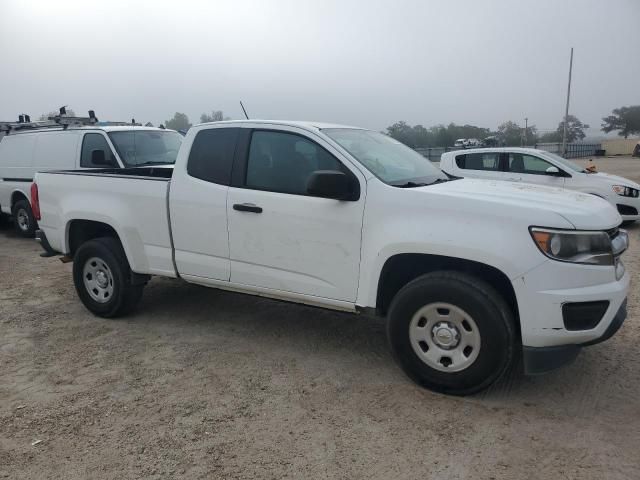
{"type": "Point", "coordinates": [367, 63]}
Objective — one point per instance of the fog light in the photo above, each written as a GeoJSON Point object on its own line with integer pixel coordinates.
{"type": "Point", "coordinates": [619, 269]}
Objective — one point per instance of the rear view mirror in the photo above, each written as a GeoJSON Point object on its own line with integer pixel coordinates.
{"type": "Point", "coordinates": [552, 171]}
{"type": "Point", "coordinates": [98, 158]}
{"type": "Point", "coordinates": [331, 184]}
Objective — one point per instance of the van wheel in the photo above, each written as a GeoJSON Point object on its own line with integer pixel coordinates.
{"type": "Point", "coordinates": [102, 278]}
{"type": "Point", "coordinates": [451, 332]}
{"type": "Point", "coordinates": [23, 219]}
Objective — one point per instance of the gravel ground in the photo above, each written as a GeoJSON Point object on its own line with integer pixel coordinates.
{"type": "Point", "coordinates": [202, 383]}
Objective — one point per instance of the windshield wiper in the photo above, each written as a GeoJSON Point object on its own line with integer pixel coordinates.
{"type": "Point", "coordinates": [146, 164]}
{"type": "Point", "coordinates": [440, 180]}
{"type": "Point", "coordinates": [410, 185]}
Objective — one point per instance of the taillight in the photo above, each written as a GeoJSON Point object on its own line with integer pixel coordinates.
{"type": "Point", "coordinates": [35, 201]}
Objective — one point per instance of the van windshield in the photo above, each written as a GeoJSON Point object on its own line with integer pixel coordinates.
{"type": "Point", "coordinates": [391, 161]}
{"type": "Point", "coordinates": [146, 147]}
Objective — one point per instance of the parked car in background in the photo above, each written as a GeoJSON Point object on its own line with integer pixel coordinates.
{"type": "Point", "coordinates": [636, 150]}
{"type": "Point", "coordinates": [23, 153]}
{"type": "Point", "coordinates": [460, 143]}
{"type": "Point", "coordinates": [472, 274]}
{"type": "Point", "coordinates": [528, 165]}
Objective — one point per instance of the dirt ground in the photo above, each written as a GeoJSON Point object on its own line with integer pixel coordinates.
{"type": "Point", "coordinates": [200, 383]}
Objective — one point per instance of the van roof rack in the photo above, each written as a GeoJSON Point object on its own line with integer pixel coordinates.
{"type": "Point", "coordinates": [62, 120]}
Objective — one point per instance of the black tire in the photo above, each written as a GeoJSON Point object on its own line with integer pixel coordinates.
{"type": "Point", "coordinates": [491, 314]}
{"type": "Point", "coordinates": [124, 296]}
{"type": "Point", "coordinates": [23, 220]}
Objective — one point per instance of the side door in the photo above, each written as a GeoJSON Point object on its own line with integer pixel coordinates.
{"type": "Point", "coordinates": [282, 238]}
{"type": "Point", "coordinates": [198, 203]}
{"type": "Point", "coordinates": [480, 165]}
{"type": "Point", "coordinates": [533, 169]}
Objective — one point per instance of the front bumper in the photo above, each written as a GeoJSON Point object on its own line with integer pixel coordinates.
{"type": "Point", "coordinates": [539, 360]}
{"type": "Point", "coordinates": [542, 292]}
{"type": "Point", "coordinates": [628, 207]}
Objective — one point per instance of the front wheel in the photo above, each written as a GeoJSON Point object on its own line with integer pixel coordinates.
{"type": "Point", "coordinates": [102, 278]}
{"type": "Point", "coordinates": [451, 332]}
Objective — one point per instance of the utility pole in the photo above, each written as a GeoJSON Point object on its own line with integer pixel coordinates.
{"type": "Point", "coordinates": [526, 131]}
{"type": "Point", "coordinates": [566, 111]}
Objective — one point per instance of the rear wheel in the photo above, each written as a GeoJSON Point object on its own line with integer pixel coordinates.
{"type": "Point", "coordinates": [23, 219]}
{"type": "Point", "coordinates": [451, 332]}
{"type": "Point", "coordinates": [102, 277]}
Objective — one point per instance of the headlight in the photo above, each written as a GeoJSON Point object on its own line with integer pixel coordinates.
{"type": "Point", "coordinates": [625, 191]}
{"type": "Point", "coordinates": [593, 248]}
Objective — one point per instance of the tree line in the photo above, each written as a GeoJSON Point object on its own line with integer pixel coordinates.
{"type": "Point", "coordinates": [180, 121]}
{"type": "Point", "coordinates": [625, 120]}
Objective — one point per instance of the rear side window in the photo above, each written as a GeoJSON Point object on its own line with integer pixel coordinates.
{"type": "Point", "coordinates": [479, 161]}
{"type": "Point", "coordinates": [95, 141]}
{"type": "Point", "coordinates": [211, 156]}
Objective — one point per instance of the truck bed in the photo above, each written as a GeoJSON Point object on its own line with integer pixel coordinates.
{"type": "Point", "coordinates": [132, 201]}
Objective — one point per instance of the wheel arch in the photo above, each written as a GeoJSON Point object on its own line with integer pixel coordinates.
{"type": "Point", "coordinates": [400, 269]}
{"type": "Point", "coordinates": [79, 231]}
{"type": "Point", "coordinates": [18, 195]}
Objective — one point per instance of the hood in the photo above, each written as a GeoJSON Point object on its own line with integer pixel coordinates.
{"type": "Point", "coordinates": [583, 211]}
{"type": "Point", "coordinates": [613, 179]}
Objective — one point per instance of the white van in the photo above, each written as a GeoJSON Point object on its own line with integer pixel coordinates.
{"type": "Point", "coordinates": [22, 154]}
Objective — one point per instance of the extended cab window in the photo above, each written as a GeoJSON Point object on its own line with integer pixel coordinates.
{"type": "Point", "coordinates": [520, 163]}
{"type": "Point", "coordinates": [283, 162]}
{"type": "Point", "coordinates": [211, 156]}
{"type": "Point", "coordinates": [479, 161]}
{"type": "Point", "coordinates": [96, 142]}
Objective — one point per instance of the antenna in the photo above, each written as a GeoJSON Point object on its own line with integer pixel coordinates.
{"type": "Point", "coordinates": [245, 112]}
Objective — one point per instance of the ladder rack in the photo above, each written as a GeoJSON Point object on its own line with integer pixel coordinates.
{"type": "Point", "coordinates": [62, 120]}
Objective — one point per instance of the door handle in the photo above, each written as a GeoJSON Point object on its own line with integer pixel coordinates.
{"type": "Point", "coordinates": [247, 207]}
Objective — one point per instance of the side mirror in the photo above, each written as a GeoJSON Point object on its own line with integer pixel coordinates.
{"type": "Point", "coordinates": [98, 158]}
{"type": "Point", "coordinates": [331, 184]}
{"type": "Point", "coordinates": [553, 171]}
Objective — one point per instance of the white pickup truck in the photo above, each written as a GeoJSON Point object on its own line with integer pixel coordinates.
{"type": "Point", "coordinates": [471, 274]}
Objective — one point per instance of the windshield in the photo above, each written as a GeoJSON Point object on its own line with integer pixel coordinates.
{"type": "Point", "coordinates": [388, 159]}
{"type": "Point", "coordinates": [566, 163]}
{"type": "Point", "coordinates": [146, 147]}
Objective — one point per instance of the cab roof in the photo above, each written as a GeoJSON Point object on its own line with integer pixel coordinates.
{"type": "Point", "coordinates": [308, 125]}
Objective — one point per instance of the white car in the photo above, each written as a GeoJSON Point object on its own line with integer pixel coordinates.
{"type": "Point", "coordinates": [23, 153]}
{"type": "Point", "coordinates": [544, 168]}
{"type": "Point", "coordinates": [471, 274]}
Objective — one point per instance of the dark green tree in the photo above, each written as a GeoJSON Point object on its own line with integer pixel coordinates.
{"type": "Point", "coordinates": [402, 132]}
{"type": "Point", "coordinates": [624, 119]}
{"type": "Point", "coordinates": [180, 121]}
{"type": "Point", "coordinates": [216, 116]}
{"type": "Point", "coordinates": [512, 135]}
{"type": "Point", "coordinates": [575, 129]}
